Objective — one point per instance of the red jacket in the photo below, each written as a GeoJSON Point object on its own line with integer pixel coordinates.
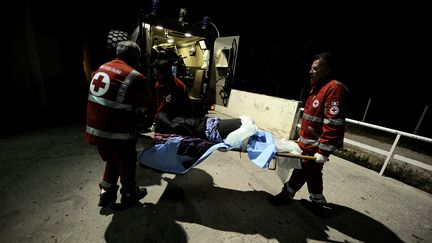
{"type": "Point", "coordinates": [323, 122]}
{"type": "Point", "coordinates": [173, 99]}
{"type": "Point", "coordinates": [116, 93]}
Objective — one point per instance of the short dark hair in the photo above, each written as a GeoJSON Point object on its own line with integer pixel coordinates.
{"type": "Point", "coordinates": [327, 57]}
{"type": "Point", "coordinates": [330, 63]}
{"type": "Point", "coordinates": [162, 64]}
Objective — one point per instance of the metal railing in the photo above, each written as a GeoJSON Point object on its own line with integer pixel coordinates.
{"type": "Point", "coordinates": [391, 153]}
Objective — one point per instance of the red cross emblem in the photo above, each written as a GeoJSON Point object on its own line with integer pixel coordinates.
{"type": "Point", "coordinates": [334, 110]}
{"type": "Point", "coordinates": [100, 84]}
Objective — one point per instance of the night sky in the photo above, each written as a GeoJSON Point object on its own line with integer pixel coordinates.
{"type": "Point", "coordinates": [383, 52]}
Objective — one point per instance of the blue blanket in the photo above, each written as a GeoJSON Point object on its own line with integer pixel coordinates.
{"type": "Point", "coordinates": [164, 157]}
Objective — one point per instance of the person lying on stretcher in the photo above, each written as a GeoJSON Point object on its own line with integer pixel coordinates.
{"type": "Point", "coordinates": [212, 129]}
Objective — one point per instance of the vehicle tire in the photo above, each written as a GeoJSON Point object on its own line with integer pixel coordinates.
{"type": "Point", "coordinates": [114, 37]}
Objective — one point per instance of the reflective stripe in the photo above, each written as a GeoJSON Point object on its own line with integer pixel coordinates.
{"type": "Point", "coordinates": [105, 184]}
{"type": "Point", "coordinates": [109, 135]}
{"type": "Point", "coordinates": [317, 198]}
{"type": "Point", "coordinates": [125, 85]}
{"type": "Point", "coordinates": [322, 146]}
{"type": "Point", "coordinates": [327, 147]}
{"type": "Point", "coordinates": [308, 141]}
{"type": "Point", "coordinates": [334, 121]}
{"type": "Point", "coordinates": [312, 118]}
{"type": "Point", "coordinates": [109, 103]}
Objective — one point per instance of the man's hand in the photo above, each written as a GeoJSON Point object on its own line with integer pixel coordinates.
{"type": "Point", "coordinates": [153, 127]}
{"type": "Point", "coordinates": [319, 158]}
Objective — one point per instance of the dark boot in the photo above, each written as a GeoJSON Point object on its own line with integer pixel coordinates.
{"type": "Point", "coordinates": [283, 198]}
{"type": "Point", "coordinates": [109, 196]}
{"type": "Point", "coordinates": [319, 209]}
{"type": "Point", "coordinates": [131, 197]}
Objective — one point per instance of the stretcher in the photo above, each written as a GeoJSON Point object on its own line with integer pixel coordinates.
{"type": "Point", "coordinates": [260, 148]}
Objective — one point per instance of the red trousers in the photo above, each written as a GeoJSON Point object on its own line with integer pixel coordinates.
{"type": "Point", "coordinates": [120, 162]}
{"type": "Point", "coordinates": [311, 173]}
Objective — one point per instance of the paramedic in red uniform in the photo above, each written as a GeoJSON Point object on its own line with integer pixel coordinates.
{"type": "Point", "coordinates": [172, 96]}
{"type": "Point", "coordinates": [118, 96]}
{"type": "Point", "coordinates": [321, 132]}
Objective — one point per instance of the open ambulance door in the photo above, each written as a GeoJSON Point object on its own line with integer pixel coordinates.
{"type": "Point", "coordinates": [202, 60]}
{"type": "Point", "coordinates": [225, 51]}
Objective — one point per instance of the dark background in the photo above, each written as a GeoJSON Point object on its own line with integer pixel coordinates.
{"type": "Point", "coordinates": [383, 52]}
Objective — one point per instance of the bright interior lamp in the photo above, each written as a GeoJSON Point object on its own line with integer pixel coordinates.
{"type": "Point", "coordinates": [202, 45]}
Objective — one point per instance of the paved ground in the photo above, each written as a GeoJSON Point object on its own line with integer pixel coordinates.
{"type": "Point", "coordinates": [48, 193]}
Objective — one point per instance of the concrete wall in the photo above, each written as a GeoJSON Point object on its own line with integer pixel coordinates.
{"type": "Point", "coordinates": [276, 115]}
